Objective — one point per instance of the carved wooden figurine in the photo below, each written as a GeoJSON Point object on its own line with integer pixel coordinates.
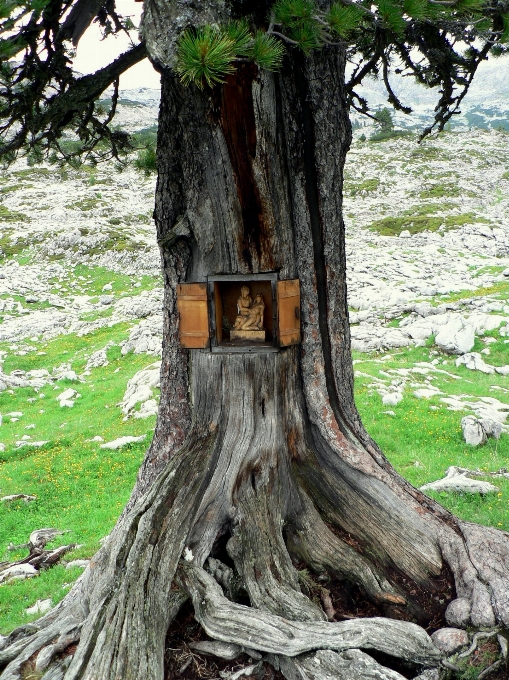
{"type": "Point", "coordinates": [249, 322]}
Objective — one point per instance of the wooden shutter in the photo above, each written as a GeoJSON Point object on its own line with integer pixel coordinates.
{"type": "Point", "coordinates": [194, 317]}
{"type": "Point", "coordinates": [288, 312]}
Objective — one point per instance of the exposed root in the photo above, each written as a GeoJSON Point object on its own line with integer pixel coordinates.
{"type": "Point", "coordinates": [491, 669]}
{"type": "Point", "coordinates": [352, 664]}
{"type": "Point", "coordinates": [262, 560]}
{"type": "Point", "coordinates": [475, 642]}
{"type": "Point", "coordinates": [310, 539]}
{"type": "Point", "coordinates": [230, 622]}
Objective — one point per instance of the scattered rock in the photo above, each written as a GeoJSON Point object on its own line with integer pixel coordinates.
{"type": "Point", "coordinates": [18, 496]}
{"type": "Point", "coordinates": [457, 613]}
{"type": "Point", "coordinates": [21, 443]}
{"type": "Point", "coordinates": [139, 388]}
{"type": "Point", "coordinates": [18, 572]}
{"type": "Point", "coordinates": [457, 481]}
{"type": "Point", "coordinates": [148, 408]}
{"type": "Point", "coordinates": [40, 607]}
{"type": "Point", "coordinates": [475, 362]}
{"type": "Point", "coordinates": [106, 299]}
{"type": "Point", "coordinates": [392, 399]}
{"type": "Point", "coordinates": [426, 393]}
{"type": "Point", "coordinates": [473, 431]}
{"type": "Point", "coordinates": [450, 640]}
{"type": "Point", "coordinates": [456, 337]}
{"type": "Point", "coordinates": [476, 431]}
{"type": "Point", "coordinates": [122, 441]}
{"type": "Point", "coordinates": [82, 564]}
{"type": "Point", "coordinates": [146, 338]}
{"type": "Point", "coordinates": [97, 359]}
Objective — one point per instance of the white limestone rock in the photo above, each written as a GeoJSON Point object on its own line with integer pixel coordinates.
{"type": "Point", "coordinates": [139, 388]}
{"type": "Point", "coordinates": [474, 362]}
{"type": "Point", "coordinates": [456, 337]}
{"type": "Point", "coordinates": [148, 408]}
{"type": "Point", "coordinates": [146, 338]}
{"type": "Point", "coordinates": [455, 481]}
{"type": "Point", "coordinates": [18, 572]}
{"type": "Point", "coordinates": [473, 431]}
{"type": "Point", "coordinates": [40, 607]}
{"type": "Point", "coordinates": [97, 359]}
{"type": "Point", "coordinates": [122, 441]}
{"type": "Point", "coordinates": [392, 399]}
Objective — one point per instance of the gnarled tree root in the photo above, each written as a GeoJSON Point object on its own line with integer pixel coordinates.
{"type": "Point", "coordinates": [230, 622]}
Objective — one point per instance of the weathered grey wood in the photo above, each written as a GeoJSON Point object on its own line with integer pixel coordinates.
{"type": "Point", "coordinates": [263, 450]}
{"type": "Point", "coordinates": [351, 664]}
{"type": "Point", "coordinates": [228, 622]}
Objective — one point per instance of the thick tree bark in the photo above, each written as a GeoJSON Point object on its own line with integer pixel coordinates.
{"type": "Point", "coordinates": [261, 461]}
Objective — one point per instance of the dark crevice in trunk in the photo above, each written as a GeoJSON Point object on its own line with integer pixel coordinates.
{"type": "Point", "coordinates": [315, 220]}
{"type": "Point", "coordinates": [237, 119]}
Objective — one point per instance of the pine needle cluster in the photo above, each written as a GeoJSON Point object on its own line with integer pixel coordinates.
{"type": "Point", "coordinates": [207, 55]}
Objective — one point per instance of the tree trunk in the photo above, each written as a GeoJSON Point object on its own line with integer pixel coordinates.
{"type": "Point", "coordinates": [261, 478]}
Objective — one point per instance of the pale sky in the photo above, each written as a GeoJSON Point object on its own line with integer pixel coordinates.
{"type": "Point", "coordinates": [93, 53]}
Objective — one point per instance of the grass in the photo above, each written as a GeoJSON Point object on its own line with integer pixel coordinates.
{"type": "Point", "coordinates": [421, 218]}
{"type": "Point", "coordinates": [7, 215]}
{"type": "Point", "coordinates": [424, 437]}
{"type": "Point", "coordinates": [78, 485]}
{"type": "Point", "coordinates": [499, 289]}
{"type": "Point", "coordinates": [366, 185]}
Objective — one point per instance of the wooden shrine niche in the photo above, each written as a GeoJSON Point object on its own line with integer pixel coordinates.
{"type": "Point", "coordinates": [240, 313]}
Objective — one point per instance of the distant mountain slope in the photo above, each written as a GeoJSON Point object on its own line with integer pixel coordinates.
{"type": "Point", "coordinates": [485, 106]}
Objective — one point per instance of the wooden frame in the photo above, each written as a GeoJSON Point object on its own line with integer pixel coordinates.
{"type": "Point", "coordinates": [202, 316]}
{"type": "Point", "coordinates": [218, 344]}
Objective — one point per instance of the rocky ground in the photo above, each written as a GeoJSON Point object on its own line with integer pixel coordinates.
{"type": "Point", "coordinates": [80, 334]}
{"type": "Point", "coordinates": [428, 256]}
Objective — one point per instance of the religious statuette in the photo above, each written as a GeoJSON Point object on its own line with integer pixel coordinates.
{"type": "Point", "coordinates": [249, 322]}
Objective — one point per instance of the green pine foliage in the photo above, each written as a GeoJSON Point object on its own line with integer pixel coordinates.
{"type": "Point", "coordinates": [343, 20]}
{"type": "Point", "coordinates": [205, 56]}
{"type": "Point", "coordinates": [267, 51]}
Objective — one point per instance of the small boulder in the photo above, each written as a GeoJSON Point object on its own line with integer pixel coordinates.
{"type": "Point", "coordinates": [18, 572]}
{"type": "Point", "coordinates": [405, 234]}
{"type": "Point", "coordinates": [450, 640]}
{"type": "Point", "coordinates": [68, 394]}
{"type": "Point", "coordinates": [148, 408]}
{"type": "Point", "coordinates": [122, 441]}
{"type": "Point", "coordinates": [106, 299]}
{"type": "Point", "coordinates": [473, 431]}
{"type": "Point", "coordinates": [456, 337]}
{"type": "Point", "coordinates": [475, 362]}
{"type": "Point", "coordinates": [392, 399]}
{"type": "Point", "coordinates": [40, 607]}
{"type": "Point", "coordinates": [457, 480]}
{"type": "Point", "coordinates": [493, 428]}
{"type": "Point", "coordinates": [457, 613]}
{"type": "Point", "coordinates": [77, 563]}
